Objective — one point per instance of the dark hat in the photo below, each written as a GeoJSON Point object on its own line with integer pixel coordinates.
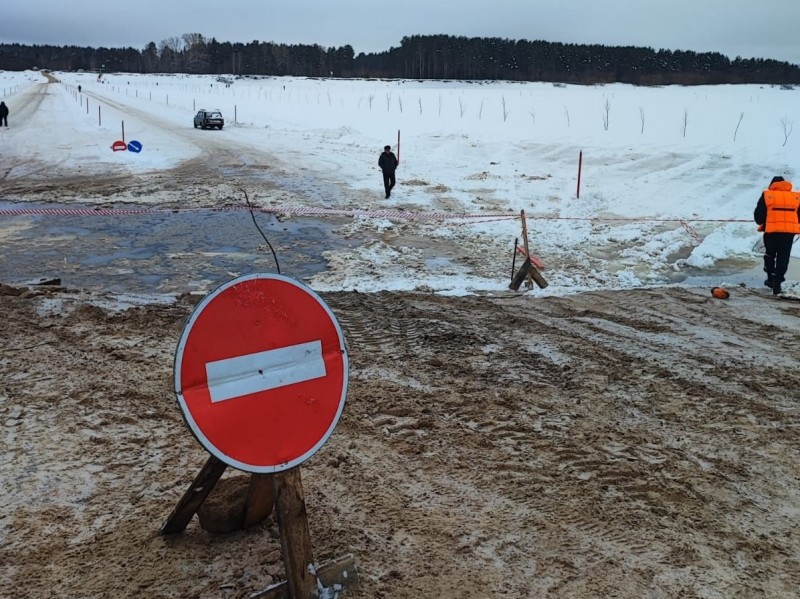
{"type": "Point", "coordinates": [776, 179]}
{"type": "Point", "coordinates": [390, 147]}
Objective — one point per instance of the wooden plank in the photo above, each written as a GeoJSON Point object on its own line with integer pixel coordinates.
{"type": "Point", "coordinates": [537, 276]}
{"type": "Point", "coordinates": [194, 496]}
{"type": "Point", "coordinates": [527, 270]}
{"type": "Point", "coordinates": [298, 556]}
{"type": "Point", "coordinates": [514, 258]}
{"type": "Point", "coordinates": [260, 499]}
{"type": "Point", "coordinates": [341, 572]}
{"type": "Point", "coordinates": [521, 275]}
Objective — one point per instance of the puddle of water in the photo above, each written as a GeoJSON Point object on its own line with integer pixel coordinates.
{"type": "Point", "coordinates": [164, 252]}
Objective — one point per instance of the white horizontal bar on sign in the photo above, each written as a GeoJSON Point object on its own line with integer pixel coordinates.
{"type": "Point", "coordinates": [262, 371]}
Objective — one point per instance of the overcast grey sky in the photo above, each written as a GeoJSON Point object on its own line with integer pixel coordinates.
{"type": "Point", "coordinates": [747, 28]}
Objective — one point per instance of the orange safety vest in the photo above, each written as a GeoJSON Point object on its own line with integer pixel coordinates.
{"type": "Point", "coordinates": [782, 205]}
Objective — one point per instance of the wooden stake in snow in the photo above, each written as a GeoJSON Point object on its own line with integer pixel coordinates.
{"type": "Point", "coordinates": [528, 271]}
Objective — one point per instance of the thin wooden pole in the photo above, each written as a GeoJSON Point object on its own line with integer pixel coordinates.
{"type": "Point", "coordinates": [529, 282]}
{"type": "Point", "coordinates": [580, 166]}
{"type": "Point", "coordinates": [514, 257]}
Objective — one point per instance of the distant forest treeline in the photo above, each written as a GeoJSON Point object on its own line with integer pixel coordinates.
{"type": "Point", "coordinates": [418, 57]}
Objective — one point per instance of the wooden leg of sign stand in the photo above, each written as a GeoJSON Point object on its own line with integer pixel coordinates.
{"type": "Point", "coordinates": [257, 505]}
{"type": "Point", "coordinates": [529, 277]}
{"type": "Point", "coordinates": [194, 496]}
{"type": "Point", "coordinates": [298, 558]}
{"type": "Point", "coordinates": [521, 275]}
{"type": "Point", "coordinates": [302, 577]}
{"type": "Point", "coordinates": [528, 272]}
{"type": "Point", "coordinates": [259, 499]}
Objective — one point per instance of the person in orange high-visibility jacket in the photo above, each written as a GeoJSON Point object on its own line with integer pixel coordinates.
{"type": "Point", "coordinates": [777, 213]}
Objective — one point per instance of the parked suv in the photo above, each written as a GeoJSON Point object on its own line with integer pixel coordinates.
{"type": "Point", "coordinates": [208, 118]}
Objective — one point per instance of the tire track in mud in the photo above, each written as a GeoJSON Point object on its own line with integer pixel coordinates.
{"type": "Point", "coordinates": [520, 446]}
{"type": "Point", "coordinates": [644, 382]}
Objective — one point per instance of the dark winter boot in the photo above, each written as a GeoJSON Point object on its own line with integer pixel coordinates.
{"type": "Point", "coordinates": [776, 287]}
{"type": "Point", "coordinates": [769, 266]}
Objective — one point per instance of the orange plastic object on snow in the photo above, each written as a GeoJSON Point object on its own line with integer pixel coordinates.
{"type": "Point", "coordinates": [720, 293]}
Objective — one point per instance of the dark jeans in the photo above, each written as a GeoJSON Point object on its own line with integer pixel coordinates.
{"type": "Point", "coordinates": [777, 251]}
{"type": "Point", "coordinates": [4, 120]}
{"type": "Point", "coordinates": [388, 181]}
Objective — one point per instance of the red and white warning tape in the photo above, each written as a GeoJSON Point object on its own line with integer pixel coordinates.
{"type": "Point", "coordinates": [71, 211]}
{"type": "Point", "coordinates": [692, 233]}
{"type": "Point", "coordinates": [291, 210]}
{"type": "Point", "coordinates": [406, 215]}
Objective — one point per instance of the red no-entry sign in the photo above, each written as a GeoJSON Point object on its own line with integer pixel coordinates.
{"type": "Point", "coordinates": [261, 373]}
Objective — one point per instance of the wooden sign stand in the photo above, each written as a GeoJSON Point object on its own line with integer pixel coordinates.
{"type": "Point", "coordinates": [303, 579]}
{"type": "Point", "coordinates": [529, 271]}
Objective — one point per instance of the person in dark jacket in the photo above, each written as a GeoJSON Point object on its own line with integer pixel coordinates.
{"type": "Point", "coordinates": [388, 163]}
{"type": "Point", "coordinates": [3, 114]}
{"type": "Point", "coordinates": [777, 214]}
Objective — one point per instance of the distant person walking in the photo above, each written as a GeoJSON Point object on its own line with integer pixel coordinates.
{"type": "Point", "coordinates": [777, 213]}
{"type": "Point", "coordinates": [3, 114]}
{"type": "Point", "coordinates": [388, 163]}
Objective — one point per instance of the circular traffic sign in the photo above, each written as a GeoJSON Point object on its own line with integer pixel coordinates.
{"type": "Point", "coordinates": [261, 373]}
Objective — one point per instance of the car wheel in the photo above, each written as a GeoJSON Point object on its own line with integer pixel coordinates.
{"type": "Point", "coordinates": [195, 125]}
{"type": "Point", "coordinates": [220, 127]}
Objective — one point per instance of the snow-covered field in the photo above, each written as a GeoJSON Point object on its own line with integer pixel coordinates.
{"type": "Point", "coordinates": [619, 442]}
{"type": "Point", "coordinates": [669, 176]}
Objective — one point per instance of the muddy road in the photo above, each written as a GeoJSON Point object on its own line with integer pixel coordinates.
{"type": "Point", "coordinates": [628, 444]}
